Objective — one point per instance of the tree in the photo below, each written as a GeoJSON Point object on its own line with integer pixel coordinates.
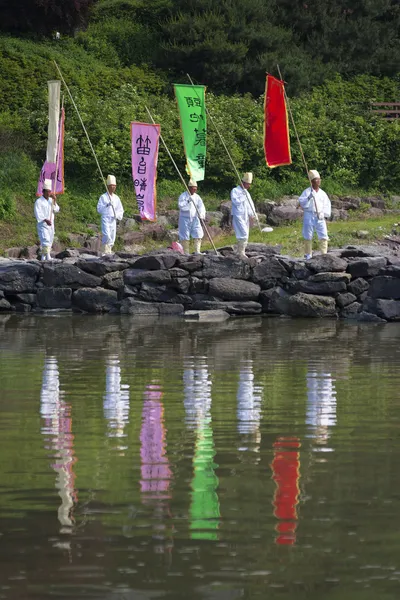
{"type": "Point", "coordinates": [43, 16]}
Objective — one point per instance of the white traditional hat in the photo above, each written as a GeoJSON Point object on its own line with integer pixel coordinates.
{"type": "Point", "coordinates": [47, 185]}
{"type": "Point", "coordinates": [192, 183]}
{"type": "Point", "coordinates": [111, 180]}
{"type": "Point", "coordinates": [247, 178]}
{"type": "Point", "coordinates": [314, 174]}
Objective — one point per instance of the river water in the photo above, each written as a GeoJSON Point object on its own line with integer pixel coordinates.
{"type": "Point", "coordinates": [144, 459]}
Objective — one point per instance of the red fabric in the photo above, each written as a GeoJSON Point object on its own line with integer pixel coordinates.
{"type": "Point", "coordinates": [276, 126]}
{"type": "Point", "coordinates": [286, 474]}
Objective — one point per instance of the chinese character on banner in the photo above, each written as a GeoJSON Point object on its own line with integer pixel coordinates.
{"type": "Point", "coordinates": [145, 139]}
{"type": "Point", "coordinates": [192, 112]}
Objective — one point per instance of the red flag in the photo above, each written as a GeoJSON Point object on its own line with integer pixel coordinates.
{"type": "Point", "coordinates": [276, 126]}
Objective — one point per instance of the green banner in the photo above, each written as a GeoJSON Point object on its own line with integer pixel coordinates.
{"type": "Point", "coordinates": [192, 112]}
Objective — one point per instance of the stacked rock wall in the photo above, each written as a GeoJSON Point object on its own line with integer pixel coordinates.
{"type": "Point", "coordinates": [353, 283]}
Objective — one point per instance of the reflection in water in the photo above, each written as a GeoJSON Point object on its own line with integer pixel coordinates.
{"type": "Point", "coordinates": [321, 406]}
{"type": "Point", "coordinates": [116, 400]}
{"type": "Point", "coordinates": [249, 398]}
{"type": "Point", "coordinates": [204, 507]}
{"type": "Point", "coordinates": [58, 426]}
{"type": "Point", "coordinates": [155, 470]}
{"type": "Point", "coordinates": [286, 474]}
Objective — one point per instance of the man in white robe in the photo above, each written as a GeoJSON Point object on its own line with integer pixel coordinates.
{"type": "Point", "coordinates": [242, 211]}
{"type": "Point", "coordinates": [110, 208]}
{"type": "Point", "coordinates": [45, 208]}
{"type": "Point", "coordinates": [189, 221]}
{"type": "Point", "coordinates": [317, 207]}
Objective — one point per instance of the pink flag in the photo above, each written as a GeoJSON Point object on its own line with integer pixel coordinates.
{"type": "Point", "coordinates": [49, 168]}
{"type": "Point", "coordinates": [145, 138]}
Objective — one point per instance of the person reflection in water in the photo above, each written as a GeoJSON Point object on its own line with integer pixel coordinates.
{"type": "Point", "coordinates": [249, 398]}
{"type": "Point", "coordinates": [116, 401]}
{"type": "Point", "coordinates": [321, 407]}
{"type": "Point", "coordinates": [155, 469]}
{"type": "Point", "coordinates": [57, 429]}
{"type": "Point", "coordinates": [204, 512]}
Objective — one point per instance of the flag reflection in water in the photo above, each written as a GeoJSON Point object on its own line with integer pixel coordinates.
{"type": "Point", "coordinates": [286, 474]}
{"type": "Point", "coordinates": [204, 506]}
{"type": "Point", "coordinates": [155, 469]}
{"type": "Point", "coordinates": [57, 429]}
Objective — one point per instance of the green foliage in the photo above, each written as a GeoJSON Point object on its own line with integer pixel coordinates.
{"type": "Point", "coordinates": [17, 173]}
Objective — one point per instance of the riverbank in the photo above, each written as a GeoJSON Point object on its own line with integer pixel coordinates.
{"type": "Point", "coordinates": [361, 283]}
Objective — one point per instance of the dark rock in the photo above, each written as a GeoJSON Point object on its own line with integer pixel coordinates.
{"type": "Point", "coordinates": [136, 276]}
{"type": "Point", "coordinates": [218, 266]}
{"type": "Point", "coordinates": [16, 277]}
{"type": "Point", "coordinates": [265, 299]}
{"type": "Point", "coordinates": [182, 284]}
{"type": "Point", "coordinates": [151, 292]}
{"type": "Point", "coordinates": [338, 214]}
{"type": "Point", "coordinates": [305, 305]}
{"type": "Point", "coordinates": [390, 270]}
{"type": "Point", "coordinates": [362, 296]}
{"type": "Point", "coordinates": [191, 263]}
{"type": "Point", "coordinates": [366, 267]}
{"type": "Point", "coordinates": [95, 300]}
{"type": "Point", "coordinates": [326, 263]}
{"type": "Point", "coordinates": [351, 310]}
{"type": "Point", "coordinates": [68, 276]}
{"type": "Point", "coordinates": [198, 285]}
{"type": "Point", "coordinates": [270, 268]}
{"type": "Point", "coordinates": [5, 305]}
{"type": "Point", "coordinates": [112, 281]}
{"type": "Point", "coordinates": [93, 243]}
{"type": "Point", "coordinates": [68, 253]}
{"type": "Point", "coordinates": [358, 286]}
{"type": "Point", "coordinates": [284, 214]}
{"type": "Point", "coordinates": [214, 218]}
{"type": "Point", "coordinates": [367, 317]}
{"type": "Point", "coordinates": [24, 298]}
{"type": "Point", "coordinates": [343, 300]}
{"type": "Point", "coordinates": [133, 237]}
{"type": "Point", "coordinates": [278, 300]}
{"type": "Point", "coordinates": [232, 307]}
{"type": "Point", "coordinates": [385, 287]}
{"type": "Point", "coordinates": [263, 249]}
{"type": "Point", "coordinates": [130, 306]}
{"type": "Point", "coordinates": [300, 271]}
{"type": "Point", "coordinates": [176, 272]}
{"type": "Point", "coordinates": [156, 262]}
{"type": "Point", "coordinates": [318, 277]}
{"type": "Point", "coordinates": [101, 267]}
{"type": "Point", "coordinates": [154, 231]}
{"type": "Point", "coordinates": [233, 289]}
{"type": "Point", "coordinates": [316, 287]}
{"type": "Point", "coordinates": [385, 309]}
{"type": "Point", "coordinates": [21, 307]}
{"type": "Point", "coordinates": [54, 297]}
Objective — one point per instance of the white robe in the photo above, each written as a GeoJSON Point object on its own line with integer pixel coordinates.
{"type": "Point", "coordinates": [189, 222]}
{"type": "Point", "coordinates": [108, 219]}
{"type": "Point", "coordinates": [242, 209]}
{"type": "Point", "coordinates": [42, 210]}
{"type": "Point", "coordinates": [315, 213]}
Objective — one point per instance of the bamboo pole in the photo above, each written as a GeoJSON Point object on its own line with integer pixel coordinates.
{"type": "Point", "coordinates": [87, 136]}
{"type": "Point", "coordinates": [184, 183]}
{"type": "Point", "coordinates": [230, 157]}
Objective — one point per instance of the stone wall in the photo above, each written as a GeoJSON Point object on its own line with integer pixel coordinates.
{"type": "Point", "coordinates": [360, 283]}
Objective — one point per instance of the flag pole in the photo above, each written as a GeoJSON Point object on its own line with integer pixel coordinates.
{"type": "Point", "coordinates": [87, 135]}
{"type": "Point", "coordinates": [184, 183]}
{"type": "Point", "coordinates": [229, 155]}
{"type": "Point", "coordinates": [297, 137]}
